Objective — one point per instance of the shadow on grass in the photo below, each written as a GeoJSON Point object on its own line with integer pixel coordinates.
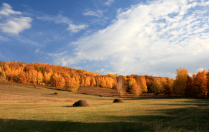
{"type": "Point", "coordinates": [68, 106]}
{"type": "Point", "coordinates": [183, 119]}
{"type": "Point", "coordinates": [67, 126]}
{"type": "Point", "coordinates": [198, 101]}
{"type": "Point", "coordinates": [191, 102]}
{"type": "Point", "coordinates": [191, 118]}
{"type": "Point", "coordinates": [147, 98]}
{"type": "Point", "coordinates": [199, 105]}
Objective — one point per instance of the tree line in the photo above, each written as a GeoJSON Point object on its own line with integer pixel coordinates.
{"type": "Point", "coordinates": [70, 79]}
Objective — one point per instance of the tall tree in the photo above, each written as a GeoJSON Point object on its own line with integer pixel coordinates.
{"type": "Point", "coordinates": [157, 87]}
{"type": "Point", "coordinates": [142, 83]}
{"type": "Point", "coordinates": [167, 89]}
{"type": "Point", "coordinates": [131, 82]}
{"type": "Point", "coordinates": [180, 82]}
{"type": "Point", "coordinates": [120, 85]}
{"type": "Point", "coordinates": [135, 89]}
{"type": "Point", "coordinates": [200, 82]}
{"type": "Point", "coordinates": [207, 83]}
{"type": "Point", "coordinates": [2, 75]}
{"type": "Point", "coordinates": [189, 87]}
{"type": "Point", "coordinates": [22, 78]}
{"type": "Point", "coordinates": [93, 82]}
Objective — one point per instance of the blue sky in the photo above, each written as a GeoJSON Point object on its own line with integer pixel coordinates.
{"type": "Point", "coordinates": [126, 37]}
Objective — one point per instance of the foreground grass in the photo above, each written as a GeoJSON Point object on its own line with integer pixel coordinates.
{"type": "Point", "coordinates": [23, 108]}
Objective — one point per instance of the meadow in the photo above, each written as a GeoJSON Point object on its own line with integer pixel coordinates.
{"type": "Point", "coordinates": [24, 108]}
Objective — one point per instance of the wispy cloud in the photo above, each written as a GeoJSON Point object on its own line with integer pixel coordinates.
{"type": "Point", "coordinates": [100, 18]}
{"type": "Point", "coordinates": [51, 55]}
{"type": "Point", "coordinates": [12, 21]}
{"type": "Point", "coordinates": [57, 54]}
{"type": "Point", "coordinates": [24, 40]}
{"type": "Point", "coordinates": [109, 2]}
{"type": "Point", "coordinates": [6, 10]}
{"type": "Point", "coordinates": [98, 13]}
{"type": "Point", "coordinates": [60, 19]}
{"type": "Point", "coordinates": [76, 28]}
{"type": "Point", "coordinates": [3, 38]}
{"type": "Point", "coordinates": [153, 38]}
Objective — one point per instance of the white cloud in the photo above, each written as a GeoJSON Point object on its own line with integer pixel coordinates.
{"type": "Point", "coordinates": [16, 25]}
{"type": "Point", "coordinates": [155, 39]}
{"type": "Point", "coordinates": [60, 19]}
{"type": "Point", "coordinates": [109, 2]}
{"type": "Point", "coordinates": [98, 13]}
{"type": "Point", "coordinates": [7, 10]}
{"type": "Point", "coordinates": [12, 22]}
{"type": "Point", "coordinates": [76, 28]}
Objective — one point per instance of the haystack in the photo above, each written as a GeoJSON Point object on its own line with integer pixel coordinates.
{"type": "Point", "coordinates": [81, 103]}
{"type": "Point", "coordinates": [118, 101]}
{"type": "Point", "coordinates": [55, 93]}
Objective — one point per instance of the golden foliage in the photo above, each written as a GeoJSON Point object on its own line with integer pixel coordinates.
{"type": "Point", "coordinates": [70, 79]}
{"type": "Point", "coordinates": [200, 84]}
{"type": "Point", "coordinates": [22, 78]}
{"type": "Point", "coordinates": [131, 82]}
{"type": "Point", "coordinates": [93, 82]}
{"type": "Point", "coordinates": [180, 82]}
{"type": "Point", "coordinates": [142, 83]}
{"type": "Point", "coordinates": [71, 84]}
{"type": "Point", "coordinates": [167, 89]}
{"type": "Point", "coordinates": [135, 89]}
{"type": "Point", "coordinates": [157, 87]}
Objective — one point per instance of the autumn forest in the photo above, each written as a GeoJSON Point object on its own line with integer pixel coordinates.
{"type": "Point", "coordinates": [70, 79]}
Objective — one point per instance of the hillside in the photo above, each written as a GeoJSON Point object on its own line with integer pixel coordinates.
{"type": "Point", "coordinates": [69, 79]}
{"type": "Point", "coordinates": [24, 108]}
{"type": "Point", "coordinates": [5, 87]}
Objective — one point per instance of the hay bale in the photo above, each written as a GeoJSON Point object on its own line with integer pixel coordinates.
{"type": "Point", "coordinates": [81, 103]}
{"type": "Point", "coordinates": [118, 101]}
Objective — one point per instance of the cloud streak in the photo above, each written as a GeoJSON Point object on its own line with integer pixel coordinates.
{"type": "Point", "coordinates": [98, 13]}
{"type": "Point", "coordinates": [60, 19]}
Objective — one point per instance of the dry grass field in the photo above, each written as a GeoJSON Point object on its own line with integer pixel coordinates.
{"type": "Point", "coordinates": [24, 108]}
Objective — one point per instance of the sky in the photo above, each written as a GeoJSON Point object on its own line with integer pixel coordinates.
{"type": "Point", "coordinates": [123, 37]}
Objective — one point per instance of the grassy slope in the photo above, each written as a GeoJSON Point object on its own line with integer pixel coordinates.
{"type": "Point", "coordinates": [24, 108]}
